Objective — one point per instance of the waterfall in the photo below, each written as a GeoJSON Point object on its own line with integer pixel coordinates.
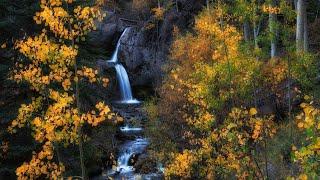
{"type": "Point", "coordinates": [114, 57]}
{"type": "Point", "coordinates": [123, 161]}
{"type": "Point", "coordinates": [122, 76]}
{"type": "Point", "coordinates": [130, 148]}
{"type": "Point", "coordinates": [124, 84]}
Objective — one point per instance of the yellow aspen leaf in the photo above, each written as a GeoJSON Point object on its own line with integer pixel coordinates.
{"type": "Point", "coordinates": [75, 79]}
{"type": "Point", "coordinates": [4, 45]}
{"type": "Point", "coordinates": [14, 123]}
{"type": "Point", "coordinates": [303, 177]}
{"type": "Point", "coordinates": [300, 124]}
{"type": "Point", "coordinates": [303, 105]}
{"type": "Point", "coordinates": [59, 123]}
{"type": "Point", "coordinates": [80, 72]}
{"type": "Point", "coordinates": [253, 111]}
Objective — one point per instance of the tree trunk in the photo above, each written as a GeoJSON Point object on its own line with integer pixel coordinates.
{"type": "Point", "coordinates": [305, 30]}
{"type": "Point", "coordinates": [273, 31]}
{"type": "Point", "coordinates": [83, 167]}
{"type": "Point", "coordinates": [300, 25]}
{"type": "Point", "coordinates": [255, 31]}
{"type": "Point", "coordinates": [208, 6]}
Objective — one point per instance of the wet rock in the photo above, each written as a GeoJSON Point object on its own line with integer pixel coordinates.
{"type": "Point", "coordinates": [133, 159]}
{"type": "Point", "coordinates": [103, 64]}
{"type": "Point", "coordinates": [145, 164]}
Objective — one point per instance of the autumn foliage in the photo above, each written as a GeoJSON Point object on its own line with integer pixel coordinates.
{"type": "Point", "coordinates": [208, 105]}
{"type": "Point", "coordinates": [49, 65]}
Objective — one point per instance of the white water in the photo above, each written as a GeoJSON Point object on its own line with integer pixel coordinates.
{"type": "Point", "coordinates": [127, 151]}
{"type": "Point", "coordinates": [122, 77]}
{"type": "Point", "coordinates": [114, 57]}
{"type": "Point", "coordinates": [124, 84]}
{"type": "Point", "coordinates": [130, 129]}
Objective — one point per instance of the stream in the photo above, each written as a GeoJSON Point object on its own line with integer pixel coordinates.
{"type": "Point", "coordinates": [133, 143]}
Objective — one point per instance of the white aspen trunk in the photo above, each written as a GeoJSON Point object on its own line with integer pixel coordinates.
{"type": "Point", "coordinates": [273, 31]}
{"type": "Point", "coordinates": [300, 26]}
{"type": "Point", "coordinates": [208, 6]}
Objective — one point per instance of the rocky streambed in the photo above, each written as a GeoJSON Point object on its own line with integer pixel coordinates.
{"type": "Point", "coordinates": [132, 161]}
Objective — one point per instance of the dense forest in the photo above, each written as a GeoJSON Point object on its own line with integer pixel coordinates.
{"type": "Point", "coordinates": [159, 89]}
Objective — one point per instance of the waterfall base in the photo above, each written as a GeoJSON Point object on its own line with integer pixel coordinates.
{"type": "Point", "coordinates": [133, 101]}
{"type": "Point", "coordinates": [130, 129]}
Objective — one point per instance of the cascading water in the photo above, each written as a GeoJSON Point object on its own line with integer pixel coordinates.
{"type": "Point", "coordinates": [134, 144]}
{"type": "Point", "coordinates": [130, 149]}
{"type": "Point", "coordinates": [124, 84]}
{"type": "Point", "coordinates": [114, 57]}
{"type": "Point", "coordinates": [122, 76]}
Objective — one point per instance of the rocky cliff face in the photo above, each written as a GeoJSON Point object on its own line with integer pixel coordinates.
{"type": "Point", "coordinates": [142, 57]}
{"type": "Point", "coordinates": [145, 47]}
{"type": "Point", "coordinates": [107, 33]}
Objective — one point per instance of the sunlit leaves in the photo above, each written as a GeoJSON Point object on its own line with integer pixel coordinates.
{"type": "Point", "coordinates": [182, 164]}
{"type": "Point", "coordinates": [253, 111]}
{"type": "Point", "coordinates": [309, 154]}
{"type": "Point", "coordinates": [58, 20]}
{"type": "Point", "coordinates": [267, 8]}
{"type": "Point", "coordinates": [274, 72]}
{"type": "Point", "coordinates": [208, 72]}
{"type": "Point", "coordinates": [158, 12]}
{"type": "Point", "coordinates": [41, 164]}
{"type": "Point", "coordinates": [225, 149]}
{"type": "Point", "coordinates": [48, 66]}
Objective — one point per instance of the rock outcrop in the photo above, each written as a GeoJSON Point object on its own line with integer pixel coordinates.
{"type": "Point", "coordinates": [145, 47]}
{"type": "Point", "coordinates": [107, 33]}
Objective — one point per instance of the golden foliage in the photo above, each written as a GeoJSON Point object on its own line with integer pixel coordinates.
{"type": "Point", "coordinates": [48, 68]}
{"type": "Point", "coordinates": [308, 154]}
{"type": "Point", "coordinates": [274, 72]}
{"type": "Point", "coordinates": [267, 8]}
{"type": "Point", "coordinates": [206, 64]}
{"type": "Point", "coordinates": [224, 150]}
{"type": "Point", "coordinates": [158, 12]}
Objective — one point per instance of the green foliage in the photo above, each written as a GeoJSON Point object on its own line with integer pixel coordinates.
{"type": "Point", "coordinates": [151, 110]}
{"type": "Point", "coordinates": [304, 69]}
